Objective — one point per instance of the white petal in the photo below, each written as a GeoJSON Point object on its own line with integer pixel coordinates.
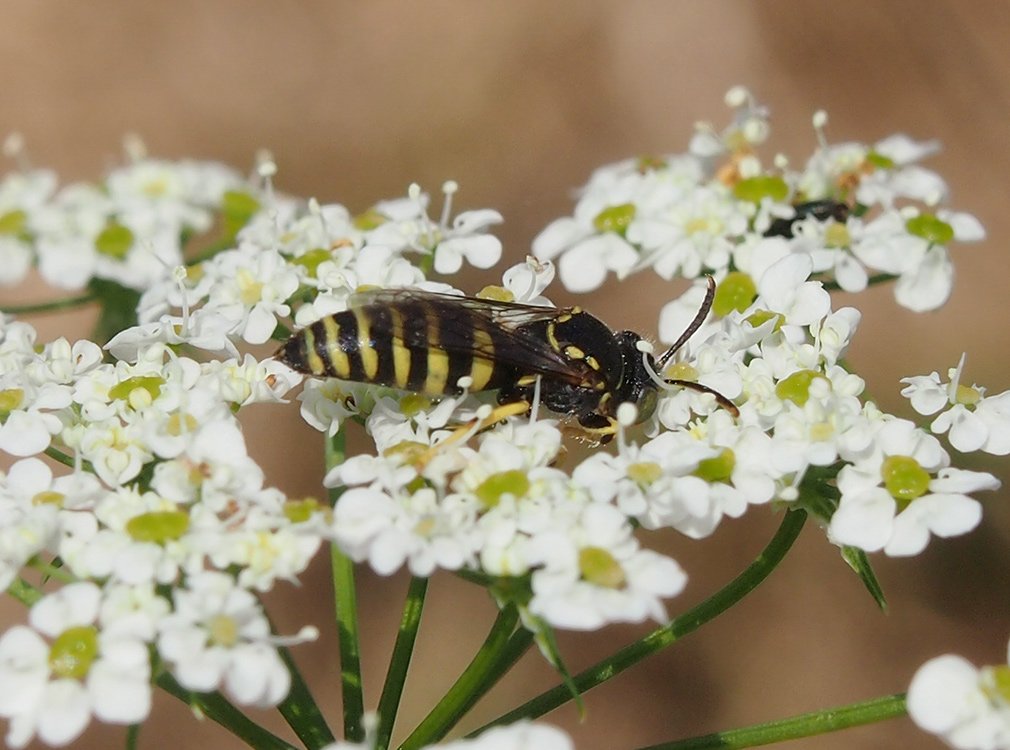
{"type": "Point", "coordinates": [943, 515]}
{"type": "Point", "coordinates": [119, 698]}
{"type": "Point", "coordinates": [903, 150]}
{"type": "Point", "coordinates": [777, 286]}
{"type": "Point", "coordinates": [557, 237]}
{"type": "Point", "coordinates": [967, 432]}
{"type": "Point", "coordinates": [24, 670]}
{"type": "Point", "coordinates": [850, 274]}
{"type": "Point", "coordinates": [941, 691]}
{"type": "Point", "coordinates": [259, 326]}
{"type": "Point", "coordinates": [474, 221]}
{"type": "Point", "coordinates": [926, 395]}
{"type": "Point", "coordinates": [64, 712]}
{"type": "Point", "coordinates": [448, 257]}
{"type": "Point", "coordinates": [962, 481]}
{"type": "Point", "coordinates": [257, 677]}
{"type": "Point", "coordinates": [966, 227]}
{"type": "Point", "coordinates": [812, 303]}
{"type": "Point", "coordinates": [24, 434]}
{"type": "Point", "coordinates": [928, 286]}
{"type": "Point", "coordinates": [584, 267]}
{"type": "Point", "coordinates": [74, 604]}
{"type": "Point", "coordinates": [863, 520]}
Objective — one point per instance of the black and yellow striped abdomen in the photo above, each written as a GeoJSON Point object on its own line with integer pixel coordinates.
{"type": "Point", "coordinates": [420, 345]}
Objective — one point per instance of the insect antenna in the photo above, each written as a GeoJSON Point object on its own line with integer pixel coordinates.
{"type": "Point", "coordinates": [724, 402]}
{"type": "Point", "coordinates": [703, 311]}
{"type": "Point", "coordinates": [706, 305]}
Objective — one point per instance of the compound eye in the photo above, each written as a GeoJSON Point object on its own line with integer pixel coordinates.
{"type": "Point", "coordinates": [647, 401]}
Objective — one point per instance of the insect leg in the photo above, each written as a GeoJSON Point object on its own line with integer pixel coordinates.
{"type": "Point", "coordinates": [466, 431]}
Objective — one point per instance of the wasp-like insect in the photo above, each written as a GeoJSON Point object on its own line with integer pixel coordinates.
{"type": "Point", "coordinates": [432, 343]}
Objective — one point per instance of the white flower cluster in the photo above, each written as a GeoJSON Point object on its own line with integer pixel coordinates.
{"type": "Point", "coordinates": [854, 209]}
{"type": "Point", "coordinates": [163, 527]}
{"type": "Point", "coordinates": [165, 530]}
{"type": "Point", "coordinates": [502, 505]}
{"type": "Point", "coordinates": [972, 420]}
{"type": "Point", "coordinates": [127, 229]}
{"type": "Point", "coordinates": [967, 706]}
{"type": "Point", "coordinates": [312, 260]}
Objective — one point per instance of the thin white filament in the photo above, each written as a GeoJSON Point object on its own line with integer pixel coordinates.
{"type": "Point", "coordinates": [535, 406]}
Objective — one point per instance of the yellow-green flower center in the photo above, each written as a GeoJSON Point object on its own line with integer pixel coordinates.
{"type": "Point", "coordinates": [837, 235]}
{"type": "Point", "coordinates": [158, 526]}
{"type": "Point", "coordinates": [966, 395]}
{"type": "Point", "coordinates": [73, 651]}
{"type": "Point", "coordinates": [644, 473]}
{"type": "Point", "coordinates": [682, 371]}
{"type": "Point", "coordinates": [114, 241]}
{"type": "Point", "coordinates": [496, 294]}
{"type": "Point", "coordinates": [222, 630]}
{"type": "Point", "coordinates": [250, 290]}
{"type": "Point", "coordinates": [904, 478]}
{"type": "Point", "coordinates": [754, 189]}
{"type": "Point", "coordinates": [880, 161]}
{"type": "Point", "coordinates": [181, 424]}
{"type": "Point", "coordinates": [796, 387]}
{"type": "Point", "coordinates": [139, 391]}
{"type": "Point", "coordinates": [370, 219]}
{"type": "Point", "coordinates": [491, 490]}
{"type": "Point", "coordinates": [311, 260]}
{"type": "Point", "coordinates": [49, 497]}
{"type": "Point", "coordinates": [601, 568]}
{"type": "Point", "coordinates": [718, 468]}
{"type": "Point", "coordinates": [759, 317]}
{"type": "Point", "coordinates": [300, 511]}
{"type": "Point", "coordinates": [997, 683]}
{"type": "Point", "coordinates": [13, 222]}
{"type": "Point", "coordinates": [410, 450]}
{"type": "Point", "coordinates": [10, 399]}
{"type": "Point", "coordinates": [735, 292]}
{"type": "Point", "coordinates": [413, 404]}
{"type": "Point", "coordinates": [930, 228]}
{"type": "Point", "coordinates": [615, 218]}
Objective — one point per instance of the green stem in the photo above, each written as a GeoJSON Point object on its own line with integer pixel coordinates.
{"type": "Point", "coordinates": [60, 456]}
{"type": "Point", "coordinates": [52, 571]}
{"type": "Point", "coordinates": [24, 592]}
{"type": "Point", "coordinates": [216, 708]}
{"type": "Point", "coordinates": [805, 725]}
{"type": "Point", "coordinates": [517, 645]}
{"type": "Point", "coordinates": [488, 665]}
{"type": "Point", "coordinates": [346, 612]}
{"type": "Point", "coordinates": [662, 637]}
{"type": "Point", "coordinates": [349, 642]}
{"type": "Point", "coordinates": [399, 662]}
{"type": "Point", "coordinates": [132, 736]}
{"type": "Point", "coordinates": [300, 709]}
{"type": "Point", "coordinates": [64, 303]}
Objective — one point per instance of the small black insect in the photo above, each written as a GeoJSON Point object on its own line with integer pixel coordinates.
{"type": "Point", "coordinates": [427, 342]}
{"type": "Point", "coordinates": [821, 210]}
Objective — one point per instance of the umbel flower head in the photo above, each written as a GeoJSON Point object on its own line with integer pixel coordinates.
{"type": "Point", "coordinates": [163, 530]}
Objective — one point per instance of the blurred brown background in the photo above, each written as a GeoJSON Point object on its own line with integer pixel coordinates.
{"type": "Point", "coordinates": [519, 101]}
